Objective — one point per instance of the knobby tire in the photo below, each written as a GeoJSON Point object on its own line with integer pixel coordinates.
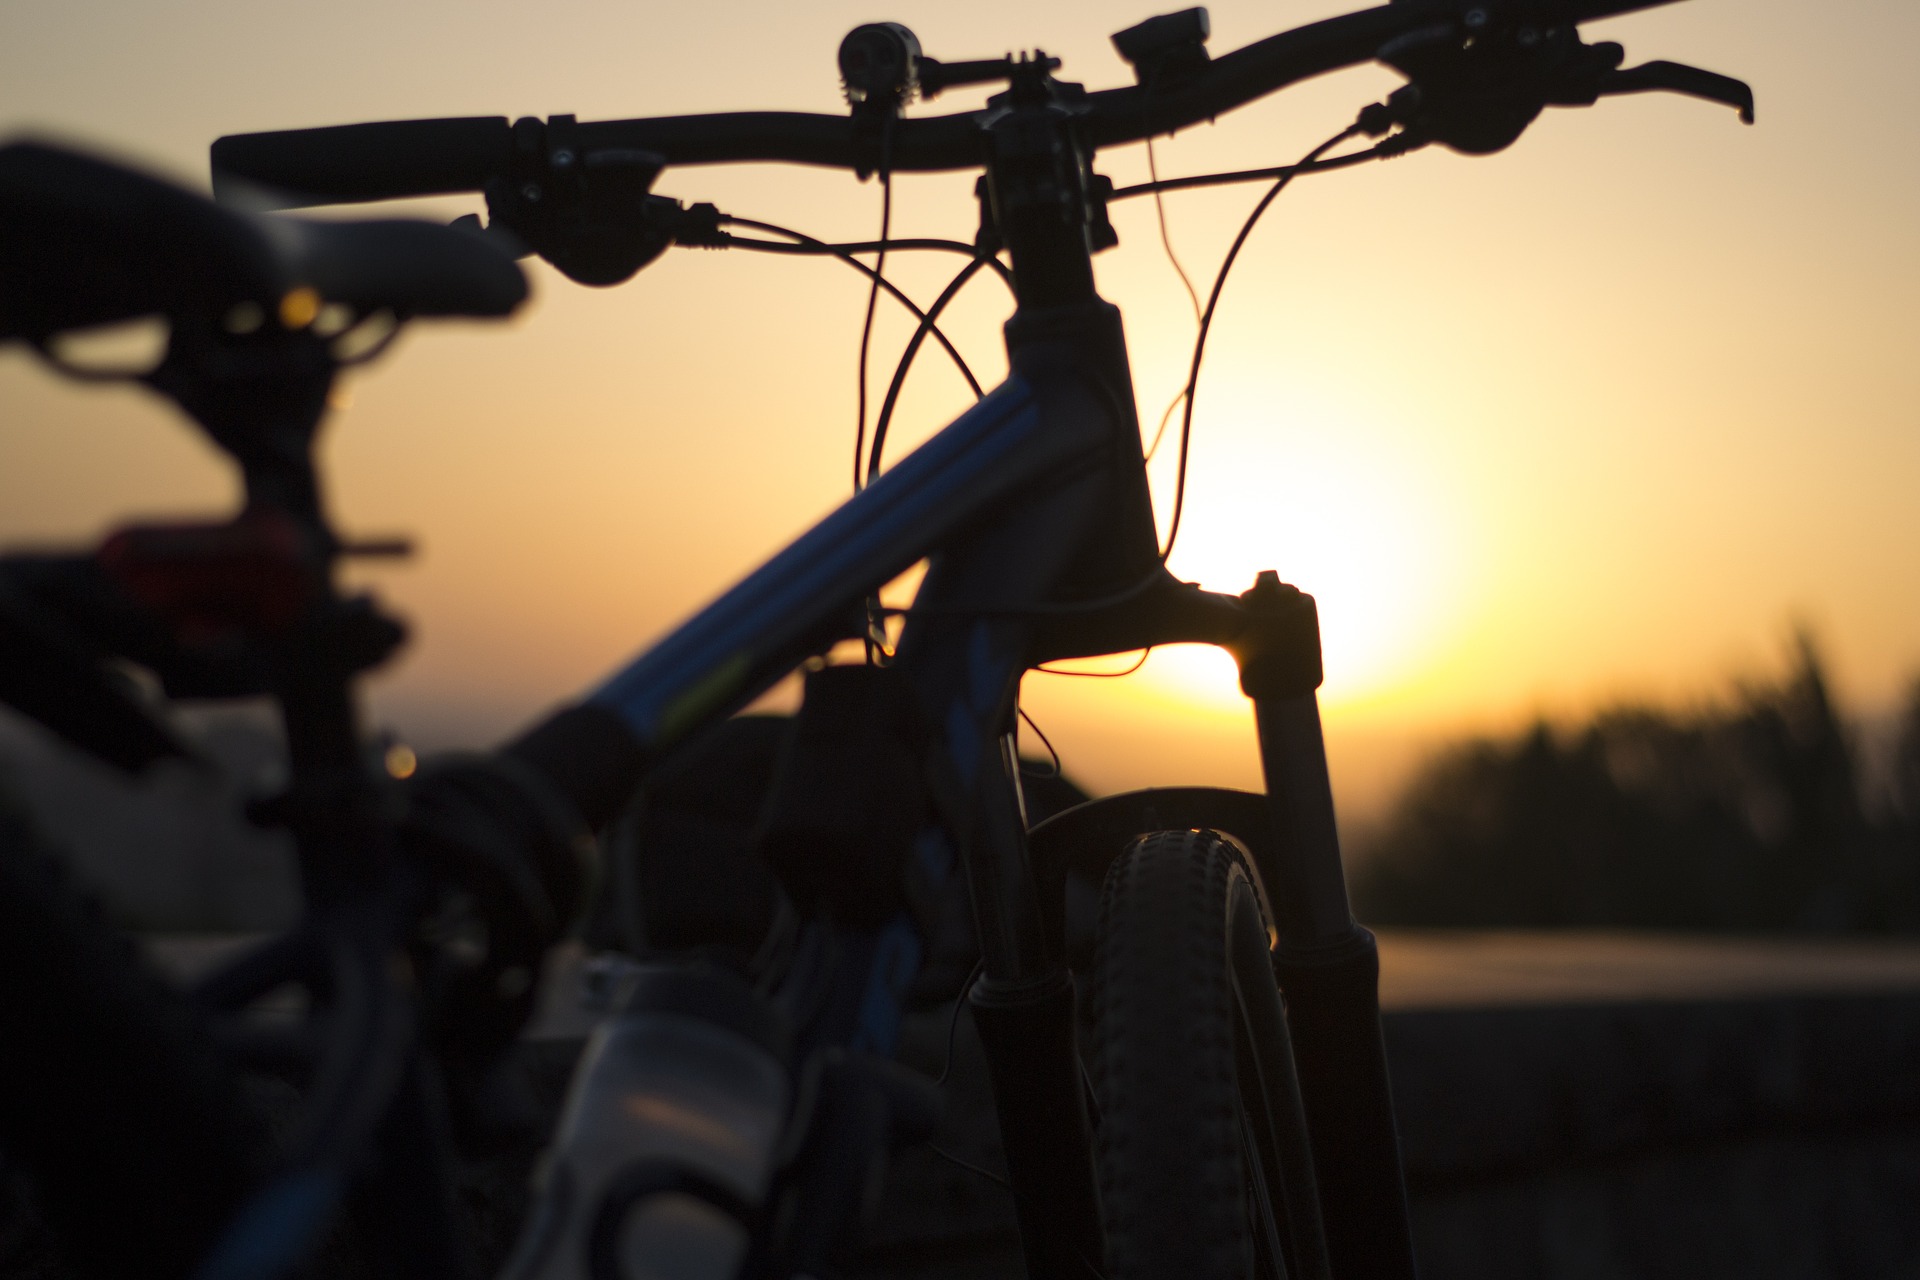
{"type": "Point", "coordinates": [1205, 1171]}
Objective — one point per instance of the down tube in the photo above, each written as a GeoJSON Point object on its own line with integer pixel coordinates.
{"type": "Point", "coordinates": [803, 599]}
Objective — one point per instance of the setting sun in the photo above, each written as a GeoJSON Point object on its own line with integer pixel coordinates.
{"type": "Point", "coordinates": [1339, 508]}
{"type": "Point", "coordinates": [1590, 417]}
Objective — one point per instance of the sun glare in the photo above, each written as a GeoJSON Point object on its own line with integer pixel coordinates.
{"type": "Point", "coordinates": [1340, 512]}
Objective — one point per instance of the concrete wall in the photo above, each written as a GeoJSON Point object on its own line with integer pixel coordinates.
{"type": "Point", "coordinates": [1758, 1137]}
{"type": "Point", "coordinates": [1761, 1137]}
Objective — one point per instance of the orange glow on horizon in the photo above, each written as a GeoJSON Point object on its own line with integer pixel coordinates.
{"type": "Point", "coordinates": [1599, 413]}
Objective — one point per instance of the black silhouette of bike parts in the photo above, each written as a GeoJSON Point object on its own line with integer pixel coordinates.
{"type": "Point", "coordinates": [1032, 509]}
{"type": "Point", "coordinates": [123, 1096]}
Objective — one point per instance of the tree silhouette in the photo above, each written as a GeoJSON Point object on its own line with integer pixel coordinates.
{"type": "Point", "coordinates": [1742, 816]}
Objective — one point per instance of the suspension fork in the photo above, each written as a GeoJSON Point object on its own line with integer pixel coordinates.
{"type": "Point", "coordinates": [1088, 534]}
{"type": "Point", "coordinates": [1327, 964]}
{"type": "Point", "coordinates": [967, 676]}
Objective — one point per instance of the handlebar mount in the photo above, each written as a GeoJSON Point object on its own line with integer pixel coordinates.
{"type": "Point", "coordinates": [580, 194]}
{"type": "Point", "coordinates": [403, 159]}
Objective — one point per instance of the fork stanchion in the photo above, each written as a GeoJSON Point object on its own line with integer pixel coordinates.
{"type": "Point", "coordinates": [1028, 1030]}
{"type": "Point", "coordinates": [1333, 1011]}
{"type": "Point", "coordinates": [1327, 965]}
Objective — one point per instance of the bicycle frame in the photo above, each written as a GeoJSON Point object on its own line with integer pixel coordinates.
{"type": "Point", "coordinates": [1034, 514]}
{"type": "Point", "coordinates": [1033, 511]}
{"type": "Point", "coordinates": [1035, 519]}
{"type": "Point", "coordinates": [1016, 503]}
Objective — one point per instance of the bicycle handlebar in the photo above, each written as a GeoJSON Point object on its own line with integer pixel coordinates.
{"type": "Point", "coordinates": [410, 158]}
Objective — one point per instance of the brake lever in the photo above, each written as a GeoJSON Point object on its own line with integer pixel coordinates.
{"type": "Point", "coordinates": [1678, 77]}
{"type": "Point", "coordinates": [1476, 88]}
{"type": "Point", "coordinates": [591, 213]}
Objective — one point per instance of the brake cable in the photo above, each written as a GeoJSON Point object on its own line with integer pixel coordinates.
{"type": "Point", "coordinates": [807, 244]}
{"type": "Point", "coordinates": [1157, 185]}
{"type": "Point", "coordinates": [1045, 741]}
{"type": "Point", "coordinates": [1121, 674]}
{"type": "Point", "coordinates": [822, 249]}
{"type": "Point", "coordinates": [1166, 240]}
{"type": "Point", "coordinates": [1311, 163]}
{"type": "Point", "coordinates": [927, 325]}
{"type": "Point", "coordinates": [885, 175]}
{"type": "Point", "coordinates": [1381, 151]}
{"type": "Point", "coordinates": [1306, 165]}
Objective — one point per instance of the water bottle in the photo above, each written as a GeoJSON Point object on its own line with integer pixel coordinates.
{"type": "Point", "coordinates": [665, 1152]}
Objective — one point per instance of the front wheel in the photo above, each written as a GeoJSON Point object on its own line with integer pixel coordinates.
{"type": "Point", "coordinates": [1205, 1170]}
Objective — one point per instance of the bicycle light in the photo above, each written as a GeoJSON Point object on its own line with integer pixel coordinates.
{"type": "Point", "coordinates": [1167, 51]}
{"type": "Point", "coordinates": [879, 66]}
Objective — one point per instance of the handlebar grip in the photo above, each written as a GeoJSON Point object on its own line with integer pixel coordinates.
{"type": "Point", "coordinates": [1532, 10]}
{"type": "Point", "coordinates": [390, 160]}
{"type": "Point", "coordinates": [1595, 10]}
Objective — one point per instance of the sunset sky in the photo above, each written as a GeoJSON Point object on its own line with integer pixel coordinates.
{"type": "Point", "coordinates": [1602, 416]}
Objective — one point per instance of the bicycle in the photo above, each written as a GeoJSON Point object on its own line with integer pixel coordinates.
{"type": "Point", "coordinates": [117, 1099]}
{"type": "Point", "coordinates": [1034, 512]}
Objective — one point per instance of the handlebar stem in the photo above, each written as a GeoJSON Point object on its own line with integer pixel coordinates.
{"type": "Point", "coordinates": [1038, 187]}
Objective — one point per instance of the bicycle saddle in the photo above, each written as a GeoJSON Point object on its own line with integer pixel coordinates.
{"type": "Point", "coordinates": [86, 242]}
